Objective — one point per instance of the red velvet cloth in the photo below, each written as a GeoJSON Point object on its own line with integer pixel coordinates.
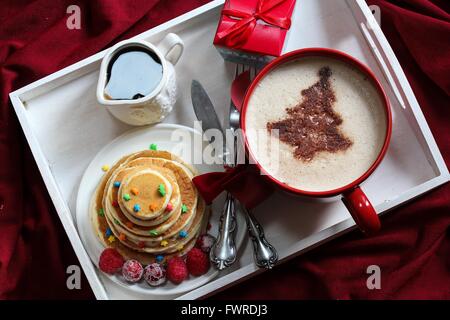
{"type": "Point", "coordinates": [413, 248]}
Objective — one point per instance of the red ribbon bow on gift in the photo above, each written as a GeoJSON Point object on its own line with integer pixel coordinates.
{"type": "Point", "coordinates": [237, 34]}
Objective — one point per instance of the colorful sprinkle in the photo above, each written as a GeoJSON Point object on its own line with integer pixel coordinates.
{"type": "Point", "coordinates": [105, 167]}
{"type": "Point", "coordinates": [116, 184]}
{"type": "Point", "coordinates": [129, 224]}
{"type": "Point", "coordinates": [159, 258]}
{"type": "Point", "coordinates": [162, 189]}
{"type": "Point", "coordinates": [164, 243]}
{"type": "Point", "coordinates": [141, 244]}
{"type": "Point", "coordinates": [153, 232]}
{"type": "Point", "coordinates": [180, 247]}
{"type": "Point", "coordinates": [183, 234]}
{"type": "Point", "coordinates": [169, 207]}
{"type": "Point", "coordinates": [108, 232]}
{"type": "Point", "coordinates": [137, 208]}
{"type": "Point", "coordinates": [184, 208]}
{"type": "Point", "coordinates": [126, 197]}
{"type": "Point", "coordinates": [135, 191]}
{"type": "Point", "coordinates": [101, 212]}
{"type": "Point", "coordinates": [152, 207]}
{"type": "Point", "coordinates": [115, 204]}
{"type": "Point", "coordinates": [111, 239]}
{"type": "Point", "coordinates": [153, 147]}
{"type": "Point", "coordinates": [117, 222]}
{"type": "Point", "coordinates": [122, 237]}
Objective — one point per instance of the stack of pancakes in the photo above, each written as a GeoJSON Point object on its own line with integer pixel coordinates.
{"type": "Point", "coordinates": [146, 205]}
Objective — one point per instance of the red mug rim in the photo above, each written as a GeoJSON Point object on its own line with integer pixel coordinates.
{"type": "Point", "coordinates": [330, 53]}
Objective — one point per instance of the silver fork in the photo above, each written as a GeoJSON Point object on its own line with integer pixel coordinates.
{"type": "Point", "coordinates": [223, 252]}
{"type": "Point", "coordinates": [264, 253]}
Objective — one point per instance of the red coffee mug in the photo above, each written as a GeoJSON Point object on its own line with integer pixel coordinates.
{"type": "Point", "coordinates": [353, 197]}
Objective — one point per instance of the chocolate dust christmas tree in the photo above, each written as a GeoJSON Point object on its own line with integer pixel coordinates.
{"type": "Point", "coordinates": [312, 126]}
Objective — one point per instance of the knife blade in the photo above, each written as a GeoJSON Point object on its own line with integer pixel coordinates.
{"type": "Point", "coordinates": [203, 107]}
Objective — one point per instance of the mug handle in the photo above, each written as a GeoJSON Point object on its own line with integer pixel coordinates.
{"type": "Point", "coordinates": [172, 47]}
{"type": "Point", "coordinates": [361, 210]}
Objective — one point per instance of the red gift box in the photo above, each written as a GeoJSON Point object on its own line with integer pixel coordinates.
{"type": "Point", "coordinates": [254, 26]}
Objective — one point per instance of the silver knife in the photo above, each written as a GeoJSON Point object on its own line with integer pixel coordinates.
{"type": "Point", "coordinates": [203, 107]}
{"type": "Point", "coordinates": [223, 252]}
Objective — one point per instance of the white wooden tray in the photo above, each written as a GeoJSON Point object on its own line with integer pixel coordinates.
{"type": "Point", "coordinates": [65, 128]}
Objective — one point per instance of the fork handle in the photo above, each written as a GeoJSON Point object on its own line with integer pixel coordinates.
{"type": "Point", "coordinates": [265, 255]}
{"type": "Point", "coordinates": [223, 251]}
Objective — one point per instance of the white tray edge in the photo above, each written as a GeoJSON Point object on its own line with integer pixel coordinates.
{"type": "Point", "coordinates": [395, 75]}
{"type": "Point", "coordinates": [61, 207]}
{"type": "Point", "coordinates": [88, 64]}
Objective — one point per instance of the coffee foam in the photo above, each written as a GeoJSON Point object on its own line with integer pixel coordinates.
{"type": "Point", "coordinates": [357, 102]}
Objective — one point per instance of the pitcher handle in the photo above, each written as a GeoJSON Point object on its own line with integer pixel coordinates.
{"type": "Point", "coordinates": [171, 47]}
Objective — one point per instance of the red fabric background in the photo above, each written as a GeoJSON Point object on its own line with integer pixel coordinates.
{"type": "Point", "coordinates": [413, 249]}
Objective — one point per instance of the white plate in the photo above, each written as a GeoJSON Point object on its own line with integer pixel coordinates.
{"type": "Point", "coordinates": [132, 141]}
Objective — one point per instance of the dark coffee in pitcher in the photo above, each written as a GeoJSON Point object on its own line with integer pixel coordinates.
{"type": "Point", "coordinates": [133, 73]}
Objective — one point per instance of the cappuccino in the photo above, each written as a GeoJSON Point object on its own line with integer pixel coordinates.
{"type": "Point", "coordinates": [321, 123]}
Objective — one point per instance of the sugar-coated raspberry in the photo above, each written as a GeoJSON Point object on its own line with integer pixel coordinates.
{"type": "Point", "coordinates": [110, 261]}
{"type": "Point", "coordinates": [176, 270]}
{"type": "Point", "coordinates": [155, 274]}
{"type": "Point", "coordinates": [197, 262]}
{"type": "Point", "coordinates": [205, 242]}
{"type": "Point", "coordinates": [132, 270]}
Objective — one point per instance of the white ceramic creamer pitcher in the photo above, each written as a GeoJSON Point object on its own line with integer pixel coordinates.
{"type": "Point", "coordinates": [153, 107]}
